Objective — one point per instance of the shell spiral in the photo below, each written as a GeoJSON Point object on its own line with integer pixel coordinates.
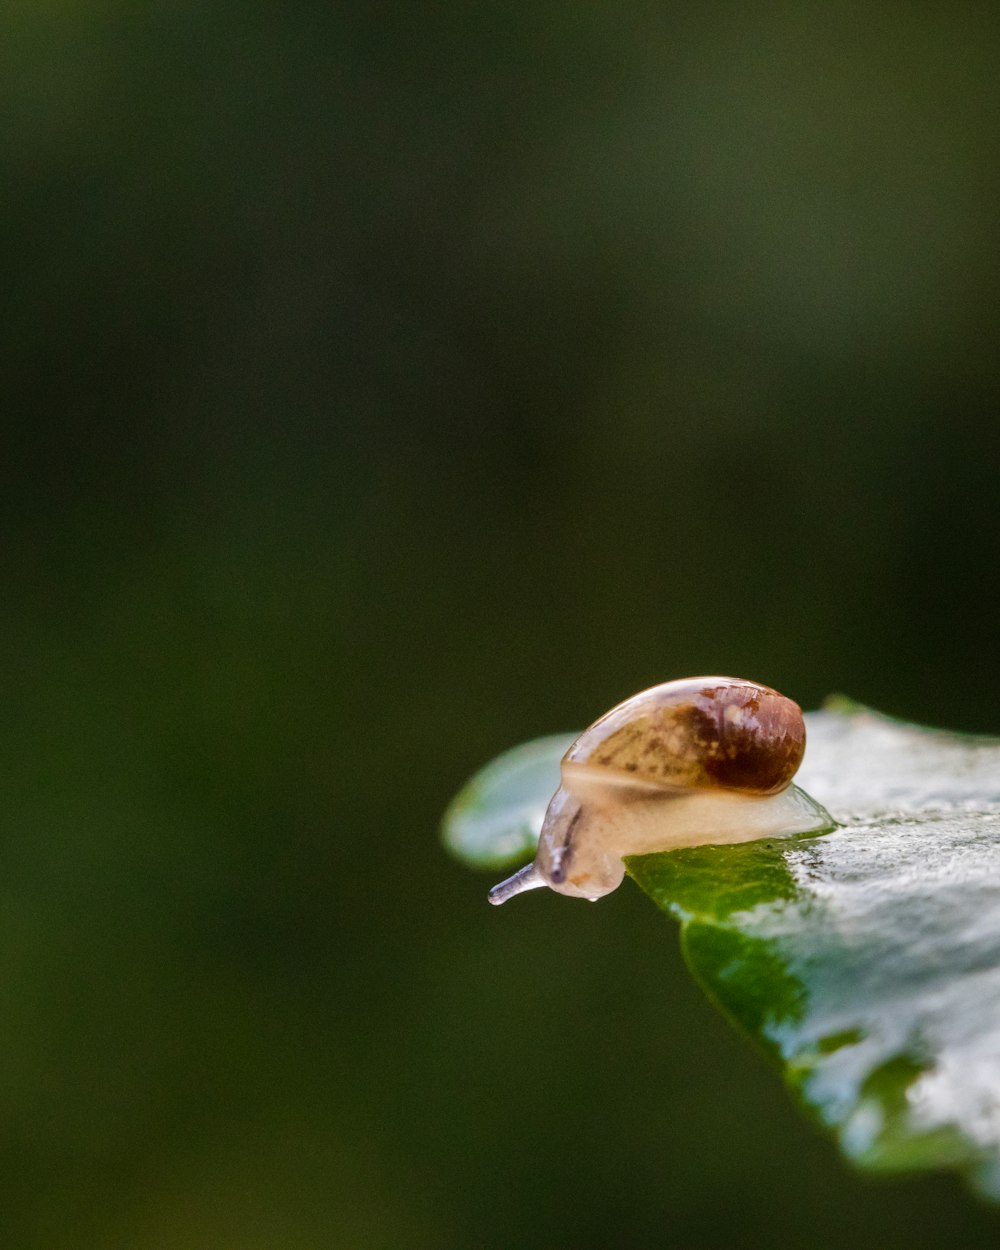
{"type": "Point", "coordinates": [699, 733]}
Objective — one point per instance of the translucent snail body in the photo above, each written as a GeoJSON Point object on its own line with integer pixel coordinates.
{"type": "Point", "coordinates": [706, 759]}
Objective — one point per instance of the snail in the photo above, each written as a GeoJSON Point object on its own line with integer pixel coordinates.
{"type": "Point", "coordinates": [705, 759]}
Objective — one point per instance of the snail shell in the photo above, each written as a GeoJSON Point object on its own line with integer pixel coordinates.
{"type": "Point", "coordinates": [706, 759]}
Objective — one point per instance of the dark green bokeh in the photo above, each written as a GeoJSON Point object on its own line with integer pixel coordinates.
{"type": "Point", "coordinates": [388, 385]}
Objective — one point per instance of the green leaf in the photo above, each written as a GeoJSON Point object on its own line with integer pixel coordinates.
{"type": "Point", "coordinates": [864, 961]}
{"type": "Point", "coordinates": [496, 818]}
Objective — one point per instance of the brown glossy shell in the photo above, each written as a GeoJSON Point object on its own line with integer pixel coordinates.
{"type": "Point", "coordinates": [701, 733]}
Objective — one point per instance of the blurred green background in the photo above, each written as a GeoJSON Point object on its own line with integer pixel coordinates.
{"type": "Point", "coordinates": [386, 385]}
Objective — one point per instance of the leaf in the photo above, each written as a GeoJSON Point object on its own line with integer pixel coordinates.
{"type": "Point", "coordinates": [496, 817]}
{"type": "Point", "coordinates": [864, 961]}
{"type": "Point", "coordinates": [867, 960]}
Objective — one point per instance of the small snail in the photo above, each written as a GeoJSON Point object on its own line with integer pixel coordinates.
{"type": "Point", "coordinates": [706, 759]}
